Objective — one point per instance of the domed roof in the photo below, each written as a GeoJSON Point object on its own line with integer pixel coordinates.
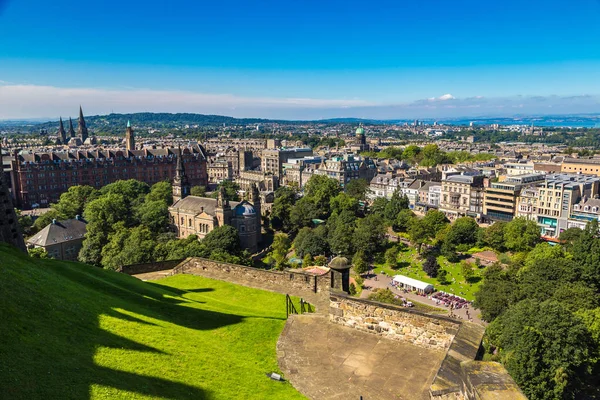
{"type": "Point", "coordinates": [360, 130]}
{"type": "Point", "coordinates": [245, 209]}
{"type": "Point", "coordinates": [339, 262]}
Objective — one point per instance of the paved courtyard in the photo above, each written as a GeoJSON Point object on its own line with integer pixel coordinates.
{"type": "Point", "coordinates": [329, 361]}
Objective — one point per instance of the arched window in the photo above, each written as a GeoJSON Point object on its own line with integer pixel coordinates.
{"type": "Point", "coordinates": [594, 209]}
{"type": "Point", "coordinates": [182, 221]}
{"type": "Point", "coordinates": [586, 208]}
{"type": "Point", "coordinates": [190, 222]}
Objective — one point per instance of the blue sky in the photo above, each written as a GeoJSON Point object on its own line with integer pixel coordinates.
{"type": "Point", "coordinates": [304, 59]}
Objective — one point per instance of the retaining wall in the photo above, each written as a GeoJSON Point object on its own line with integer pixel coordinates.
{"type": "Point", "coordinates": [149, 267]}
{"type": "Point", "coordinates": [393, 322]}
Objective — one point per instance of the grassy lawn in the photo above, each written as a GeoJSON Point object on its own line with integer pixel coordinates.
{"type": "Point", "coordinates": [410, 265]}
{"type": "Point", "coordinates": [70, 331]}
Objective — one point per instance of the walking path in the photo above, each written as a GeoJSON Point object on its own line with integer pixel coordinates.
{"type": "Point", "coordinates": [374, 281]}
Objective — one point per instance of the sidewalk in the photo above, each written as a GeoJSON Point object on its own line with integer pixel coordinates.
{"type": "Point", "coordinates": [384, 281]}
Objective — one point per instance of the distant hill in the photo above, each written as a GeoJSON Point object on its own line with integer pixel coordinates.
{"type": "Point", "coordinates": [72, 331]}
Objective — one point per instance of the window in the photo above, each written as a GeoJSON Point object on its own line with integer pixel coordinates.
{"type": "Point", "coordinates": [586, 208]}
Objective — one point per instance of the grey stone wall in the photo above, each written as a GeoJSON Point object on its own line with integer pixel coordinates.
{"type": "Point", "coordinates": [393, 322]}
{"type": "Point", "coordinates": [294, 282]}
{"type": "Point", "coordinates": [149, 267]}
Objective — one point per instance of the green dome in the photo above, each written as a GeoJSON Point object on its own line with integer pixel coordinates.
{"type": "Point", "coordinates": [339, 262]}
{"type": "Point", "coordinates": [360, 130]}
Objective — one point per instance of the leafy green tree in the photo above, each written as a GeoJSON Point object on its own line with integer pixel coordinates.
{"type": "Point", "coordinates": [419, 233]}
{"type": "Point", "coordinates": [412, 153]}
{"type": "Point", "coordinates": [404, 220]}
{"type": "Point", "coordinates": [132, 191]}
{"type": "Point", "coordinates": [285, 198]}
{"type": "Point", "coordinates": [385, 296]}
{"type": "Point", "coordinates": [497, 293]}
{"type": "Point", "coordinates": [570, 236]}
{"type": "Point", "coordinates": [74, 200]}
{"type": "Point", "coordinates": [521, 234]}
{"type": "Point", "coordinates": [128, 246]}
{"type": "Point", "coordinates": [307, 260]}
{"type": "Point", "coordinates": [378, 205]}
{"type": "Point", "coordinates": [224, 238]}
{"type": "Point", "coordinates": [543, 251]}
{"type": "Point", "coordinates": [311, 241]}
{"type": "Point", "coordinates": [586, 252]}
{"type": "Point", "coordinates": [369, 235]}
{"type": "Point", "coordinates": [320, 189]}
{"type": "Point", "coordinates": [25, 222]}
{"type": "Point", "coordinates": [38, 252]}
{"type": "Point", "coordinates": [391, 257]}
{"type": "Point", "coordinates": [153, 214]}
{"type": "Point", "coordinates": [302, 214]}
{"type": "Point", "coordinates": [102, 214]}
{"type": "Point", "coordinates": [231, 190]}
{"type": "Point", "coordinates": [320, 260]}
{"type": "Point", "coordinates": [358, 189]}
{"type": "Point", "coordinates": [435, 221]}
{"type": "Point", "coordinates": [352, 289]}
{"type": "Point", "coordinates": [281, 247]}
{"type": "Point", "coordinates": [545, 348]}
{"type": "Point", "coordinates": [340, 239]}
{"type": "Point", "coordinates": [161, 191]}
{"type": "Point", "coordinates": [493, 235]}
{"type": "Point", "coordinates": [46, 218]}
{"type": "Point", "coordinates": [199, 191]}
{"type": "Point", "coordinates": [463, 232]}
{"type": "Point", "coordinates": [359, 263]}
{"type": "Point", "coordinates": [467, 270]}
{"type": "Point", "coordinates": [343, 202]}
{"type": "Point", "coordinates": [396, 204]}
{"type": "Point", "coordinates": [442, 276]}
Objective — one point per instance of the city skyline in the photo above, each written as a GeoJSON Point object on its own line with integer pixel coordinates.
{"type": "Point", "coordinates": [272, 60]}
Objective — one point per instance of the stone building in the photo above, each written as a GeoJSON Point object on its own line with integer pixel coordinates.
{"type": "Point", "coordinates": [264, 181]}
{"type": "Point", "coordinates": [40, 178]}
{"type": "Point", "coordinates": [501, 198]}
{"type": "Point", "coordinates": [194, 215]}
{"type": "Point", "coordinates": [219, 171]}
{"type": "Point", "coordinates": [61, 239]}
{"type": "Point", "coordinates": [462, 195]}
{"type": "Point", "coordinates": [272, 160]}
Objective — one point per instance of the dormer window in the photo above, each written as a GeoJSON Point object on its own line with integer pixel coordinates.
{"type": "Point", "coordinates": [594, 209]}
{"type": "Point", "coordinates": [576, 207]}
{"type": "Point", "coordinates": [586, 208]}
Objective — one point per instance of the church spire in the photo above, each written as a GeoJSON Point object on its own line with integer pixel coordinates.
{"type": "Point", "coordinates": [62, 135]}
{"type": "Point", "coordinates": [181, 185]}
{"type": "Point", "coordinates": [71, 130]}
{"type": "Point", "coordinates": [82, 130]}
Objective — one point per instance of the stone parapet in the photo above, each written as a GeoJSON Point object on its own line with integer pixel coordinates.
{"type": "Point", "coordinates": [393, 322]}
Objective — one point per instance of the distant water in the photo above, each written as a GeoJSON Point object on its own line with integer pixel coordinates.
{"type": "Point", "coordinates": [556, 122]}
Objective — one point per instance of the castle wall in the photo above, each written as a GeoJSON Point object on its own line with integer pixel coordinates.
{"type": "Point", "coordinates": [393, 322]}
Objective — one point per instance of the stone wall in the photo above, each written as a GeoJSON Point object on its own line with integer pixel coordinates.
{"type": "Point", "coordinates": [393, 322]}
{"type": "Point", "coordinates": [294, 282]}
{"type": "Point", "coordinates": [149, 267]}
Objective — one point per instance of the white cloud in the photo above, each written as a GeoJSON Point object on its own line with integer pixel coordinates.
{"type": "Point", "coordinates": [443, 97]}
{"type": "Point", "coordinates": [25, 101]}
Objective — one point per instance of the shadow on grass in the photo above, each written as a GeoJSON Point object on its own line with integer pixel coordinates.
{"type": "Point", "coordinates": [50, 332]}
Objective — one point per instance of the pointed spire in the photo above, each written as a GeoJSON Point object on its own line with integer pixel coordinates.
{"type": "Point", "coordinates": [128, 124]}
{"type": "Point", "coordinates": [62, 135]}
{"type": "Point", "coordinates": [71, 129]}
{"type": "Point", "coordinates": [181, 185]}
{"type": "Point", "coordinates": [180, 171]}
{"type": "Point", "coordinates": [82, 130]}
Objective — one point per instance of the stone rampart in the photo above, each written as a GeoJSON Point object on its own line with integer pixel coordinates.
{"type": "Point", "coordinates": [393, 322]}
{"type": "Point", "coordinates": [134, 269]}
{"type": "Point", "coordinates": [314, 288]}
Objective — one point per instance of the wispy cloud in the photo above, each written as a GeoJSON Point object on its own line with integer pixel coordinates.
{"type": "Point", "coordinates": [30, 101]}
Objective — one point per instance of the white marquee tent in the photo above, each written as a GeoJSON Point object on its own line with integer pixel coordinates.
{"type": "Point", "coordinates": [413, 284]}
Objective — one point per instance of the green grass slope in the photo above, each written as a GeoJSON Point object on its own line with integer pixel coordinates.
{"type": "Point", "coordinates": [70, 331]}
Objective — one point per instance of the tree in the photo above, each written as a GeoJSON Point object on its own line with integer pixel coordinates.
{"type": "Point", "coordinates": [199, 191]}
{"type": "Point", "coordinates": [320, 189]}
{"type": "Point", "coordinates": [358, 189]}
{"type": "Point", "coordinates": [343, 202]}
{"type": "Point", "coordinates": [521, 234]}
{"type": "Point", "coordinates": [404, 220]}
{"type": "Point", "coordinates": [378, 205]}
{"type": "Point", "coordinates": [411, 153]}
{"type": "Point", "coordinates": [493, 235]}
{"type": "Point", "coordinates": [281, 247]}
{"type": "Point", "coordinates": [46, 218]}
{"type": "Point", "coordinates": [311, 241]}
{"type": "Point", "coordinates": [285, 198]}
{"type": "Point", "coordinates": [497, 293]}
{"type": "Point", "coordinates": [302, 214]}
{"type": "Point", "coordinates": [463, 232]}
{"type": "Point", "coordinates": [25, 222]}
{"type": "Point", "coordinates": [467, 270]}
{"type": "Point", "coordinates": [359, 263]}
{"type": "Point", "coordinates": [38, 252]}
{"type": "Point", "coordinates": [431, 266]}
{"type": "Point", "coordinates": [131, 190]}
{"type": "Point", "coordinates": [153, 214]}
{"type": "Point", "coordinates": [128, 246]}
{"type": "Point", "coordinates": [434, 222]}
{"type": "Point", "coordinates": [224, 238]}
{"type": "Point", "coordinates": [570, 236]}
{"type": "Point", "coordinates": [230, 190]}
{"type": "Point", "coordinates": [545, 348]}
{"type": "Point", "coordinates": [419, 233]}
{"type": "Point", "coordinates": [161, 191]}
{"type": "Point", "coordinates": [396, 204]}
{"type": "Point", "coordinates": [307, 260]}
{"type": "Point", "coordinates": [340, 238]}
{"type": "Point", "coordinates": [74, 200]}
{"type": "Point", "coordinates": [586, 252]}
{"type": "Point", "coordinates": [442, 276]}
{"type": "Point", "coordinates": [369, 235]}
{"type": "Point", "coordinates": [391, 257]}
{"type": "Point", "coordinates": [320, 260]}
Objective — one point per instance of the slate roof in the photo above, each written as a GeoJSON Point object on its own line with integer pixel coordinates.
{"type": "Point", "coordinates": [59, 232]}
